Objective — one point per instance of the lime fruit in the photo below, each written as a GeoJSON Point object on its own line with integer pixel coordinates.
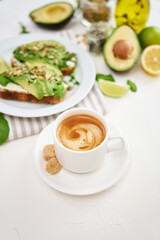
{"type": "Point", "coordinates": [150, 59]}
{"type": "Point", "coordinates": [112, 89]}
{"type": "Point", "coordinates": [149, 36]}
{"type": "Point", "coordinates": [3, 65]}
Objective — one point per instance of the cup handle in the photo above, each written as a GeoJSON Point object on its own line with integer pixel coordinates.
{"type": "Point", "coordinates": [114, 148]}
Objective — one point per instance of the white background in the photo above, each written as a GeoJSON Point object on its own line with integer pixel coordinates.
{"type": "Point", "coordinates": [30, 210]}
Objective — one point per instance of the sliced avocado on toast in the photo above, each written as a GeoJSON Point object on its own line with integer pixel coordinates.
{"type": "Point", "coordinates": [53, 15]}
{"type": "Point", "coordinates": [46, 85]}
{"type": "Point", "coordinates": [37, 81]}
{"type": "Point", "coordinates": [46, 51]}
{"type": "Point", "coordinates": [41, 64]}
{"type": "Point", "coordinates": [35, 88]}
{"type": "Point", "coordinates": [50, 72]}
{"type": "Point", "coordinates": [37, 69]}
{"type": "Point", "coordinates": [27, 79]}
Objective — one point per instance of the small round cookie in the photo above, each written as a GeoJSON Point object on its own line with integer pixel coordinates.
{"type": "Point", "coordinates": [53, 166]}
{"type": "Point", "coordinates": [48, 152]}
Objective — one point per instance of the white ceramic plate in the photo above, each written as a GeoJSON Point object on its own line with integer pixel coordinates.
{"type": "Point", "coordinates": [65, 181]}
{"type": "Point", "coordinates": [85, 74]}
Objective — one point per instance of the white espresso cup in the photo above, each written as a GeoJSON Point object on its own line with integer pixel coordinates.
{"type": "Point", "coordinates": [83, 161]}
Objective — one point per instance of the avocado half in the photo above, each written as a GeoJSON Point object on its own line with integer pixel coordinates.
{"type": "Point", "coordinates": [119, 61]}
{"type": "Point", "coordinates": [53, 15]}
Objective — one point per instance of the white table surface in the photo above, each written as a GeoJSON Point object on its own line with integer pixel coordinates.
{"type": "Point", "coordinates": [30, 210]}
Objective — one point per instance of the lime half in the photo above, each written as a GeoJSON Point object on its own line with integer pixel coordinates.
{"type": "Point", "coordinates": [112, 89]}
{"type": "Point", "coordinates": [3, 65]}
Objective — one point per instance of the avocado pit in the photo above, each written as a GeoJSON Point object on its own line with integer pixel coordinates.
{"type": "Point", "coordinates": [122, 49]}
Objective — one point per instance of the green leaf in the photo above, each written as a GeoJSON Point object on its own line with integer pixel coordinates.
{"type": "Point", "coordinates": [76, 83]}
{"type": "Point", "coordinates": [132, 85]}
{"type": "Point", "coordinates": [4, 129]}
{"type": "Point", "coordinates": [23, 29]}
{"type": "Point", "coordinates": [108, 77]}
{"type": "Point", "coordinates": [71, 79]}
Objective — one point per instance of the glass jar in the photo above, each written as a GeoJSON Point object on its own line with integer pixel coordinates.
{"type": "Point", "coordinates": [96, 37]}
{"type": "Point", "coordinates": [94, 11]}
{"type": "Point", "coordinates": [133, 13]}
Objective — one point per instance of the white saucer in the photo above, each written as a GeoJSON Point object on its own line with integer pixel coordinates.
{"type": "Point", "coordinates": [64, 181]}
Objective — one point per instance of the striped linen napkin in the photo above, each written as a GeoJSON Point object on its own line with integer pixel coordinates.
{"type": "Point", "coordinates": [23, 127]}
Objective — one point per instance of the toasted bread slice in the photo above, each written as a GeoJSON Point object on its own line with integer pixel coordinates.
{"type": "Point", "coordinates": [22, 96]}
{"type": "Point", "coordinates": [66, 71]}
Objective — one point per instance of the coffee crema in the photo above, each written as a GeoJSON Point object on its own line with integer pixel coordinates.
{"type": "Point", "coordinates": [81, 132]}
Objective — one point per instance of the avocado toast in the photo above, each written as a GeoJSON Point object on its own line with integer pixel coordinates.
{"type": "Point", "coordinates": [46, 51]}
{"type": "Point", "coordinates": [37, 73]}
{"type": "Point", "coordinates": [36, 84]}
